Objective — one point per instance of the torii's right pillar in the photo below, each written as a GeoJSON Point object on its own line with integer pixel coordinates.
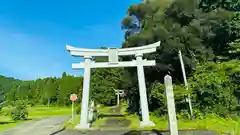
{"type": "Point", "coordinates": [143, 93]}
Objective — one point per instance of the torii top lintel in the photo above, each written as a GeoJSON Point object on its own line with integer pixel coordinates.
{"type": "Point", "coordinates": [81, 52]}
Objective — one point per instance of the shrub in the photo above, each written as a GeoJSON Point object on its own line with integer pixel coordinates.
{"type": "Point", "coordinates": [78, 110]}
{"type": "Point", "coordinates": [19, 111]}
{"type": "Point", "coordinates": [184, 114]}
{"type": "Point", "coordinates": [197, 114]}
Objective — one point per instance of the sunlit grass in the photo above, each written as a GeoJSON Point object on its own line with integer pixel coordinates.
{"type": "Point", "coordinates": [214, 123]}
{"type": "Point", "coordinates": [43, 111]}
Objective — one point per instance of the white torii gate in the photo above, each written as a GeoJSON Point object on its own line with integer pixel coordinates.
{"type": "Point", "coordinates": [113, 54]}
{"type": "Point", "coordinates": [119, 93]}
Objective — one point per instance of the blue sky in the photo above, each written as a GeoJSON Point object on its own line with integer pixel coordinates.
{"type": "Point", "coordinates": [33, 33]}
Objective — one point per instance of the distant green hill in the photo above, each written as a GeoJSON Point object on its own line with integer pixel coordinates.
{"type": "Point", "coordinates": [6, 84]}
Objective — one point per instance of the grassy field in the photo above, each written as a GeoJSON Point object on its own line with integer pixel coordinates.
{"type": "Point", "coordinates": [35, 113]}
{"type": "Point", "coordinates": [214, 123]}
{"type": "Point", "coordinates": [43, 111]}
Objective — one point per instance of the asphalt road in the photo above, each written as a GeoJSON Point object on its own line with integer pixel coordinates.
{"type": "Point", "coordinates": [44, 126]}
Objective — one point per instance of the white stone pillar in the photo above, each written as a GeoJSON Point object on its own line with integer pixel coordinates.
{"type": "Point", "coordinates": [143, 94]}
{"type": "Point", "coordinates": [85, 95]}
{"type": "Point", "coordinates": [172, 120]}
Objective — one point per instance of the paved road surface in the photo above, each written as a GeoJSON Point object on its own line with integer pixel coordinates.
{"type": "Point", "coordinates": [44, 126]}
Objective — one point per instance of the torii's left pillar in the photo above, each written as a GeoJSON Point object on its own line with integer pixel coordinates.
{"type": "Point", "coordinates": [85, 95]}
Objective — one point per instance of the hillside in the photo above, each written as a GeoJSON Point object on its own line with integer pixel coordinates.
{"type": "Point", "coordinates": [6, 84]}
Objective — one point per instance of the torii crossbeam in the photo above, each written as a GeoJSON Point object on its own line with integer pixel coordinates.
{"type": "Point", "coordinates": [113, 55]}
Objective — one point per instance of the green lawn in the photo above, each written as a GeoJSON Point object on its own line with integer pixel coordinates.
{"type": "Point", "coordinates": [214, 123]}
{"type": "Point", "coordinates": [35, 112]}
{"type": "Point", "coordinates": [43, 111]}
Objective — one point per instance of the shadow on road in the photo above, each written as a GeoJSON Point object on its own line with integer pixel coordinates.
{"type": "Point", "coordinates": [110, 115]}
{"type": "Point", "coordinates": [116, 123]}
{"type": "Point", "coordinates": [5, 122]}
{"type": "Point", "coordinates": [54, 133]}
{"type": "Point", "coordinates": [10, 122]}
{"type": "Point", "coordinates": [137, 132]}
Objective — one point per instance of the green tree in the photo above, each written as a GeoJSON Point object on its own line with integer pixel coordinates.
{"type": "Point", "coordinates": [104, 81]}
{"type": "Point", "coordinates": [179, 25]}
{"type": "Point", "coordinates": [214, 87]}
{"type": "Point", "coordinates": [210, 5]}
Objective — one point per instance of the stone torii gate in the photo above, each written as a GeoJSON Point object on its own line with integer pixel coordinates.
{"type": "Point", "coordinates": [113, 61]}
{"type": "Point", "coordinates": [119, 93]}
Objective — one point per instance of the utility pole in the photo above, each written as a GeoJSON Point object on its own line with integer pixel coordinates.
{"type": "Point", "coordinates": [185, 82]}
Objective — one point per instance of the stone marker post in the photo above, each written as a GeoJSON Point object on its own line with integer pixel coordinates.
{"type": "Point", "coordinates": [172, 120]}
